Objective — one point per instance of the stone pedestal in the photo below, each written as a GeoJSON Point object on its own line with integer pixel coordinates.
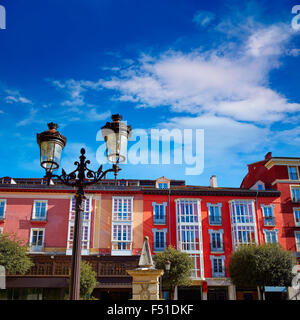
{"type": "Point", "coordinates": [145, 283]}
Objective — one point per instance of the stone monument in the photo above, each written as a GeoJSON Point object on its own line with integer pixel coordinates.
{"type": "Point", "coordinates": [145, 278]}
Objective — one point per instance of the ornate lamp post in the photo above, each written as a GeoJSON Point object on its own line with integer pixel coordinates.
{"type": "Point", "coordinates": [51, 143]}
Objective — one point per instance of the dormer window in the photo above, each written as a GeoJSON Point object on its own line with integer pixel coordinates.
{"type": "Point", "coordinates": [8, 180]}
{"type": "Point", "coordinates": [162, 183]}
{"type": "Point", "coordinates": [162, 186]}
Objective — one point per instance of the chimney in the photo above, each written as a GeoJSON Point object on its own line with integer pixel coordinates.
{"type": "Point", "coordinates": [213, 181]}
{"type": "Point", "coordinates": [268, 156]}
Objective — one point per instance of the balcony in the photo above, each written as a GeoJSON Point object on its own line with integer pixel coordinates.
{"type": "Point", "coordinates": [36, 248]}
{"type": "Point", "coordinates": [217, 247]}
{"type": "Point", "coordinates": [215, 221]}
{"type": "Point", "coordinates": [121, 248]}
{"type": "Point", "coordinates": [159, 247]}
{"type": "Point", "coordinates": [60, 266]}
{"type": "Point", "coordinates": [158, 220]}
{"type": "Point", "coordinates": [269, 221]}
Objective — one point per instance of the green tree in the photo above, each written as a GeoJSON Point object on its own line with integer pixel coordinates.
{"type": "Point", "coordinates": [88, 279]}
{"type": "Point", "coordinates": [261, 265]}
{"type": "Point", "coordinates": [13, 255]}
{"type": "Point", "coordinates": [180, 271]}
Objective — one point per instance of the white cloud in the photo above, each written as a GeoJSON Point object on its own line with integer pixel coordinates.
{"type": "Point", "coordinates": [269, 40]}
{"type": "Point", "coordinates": [31, 118]}
{"type": "Point", "coordinates": [203, 18]}
{"type": "Point", "coordinates": [15, 97]}
{"type": "Point", "coordinates": [234, 86]}
{"type": "Point", "coordinates": [293, 52]}
{"type": "Point", "coordinates": [75, 90]}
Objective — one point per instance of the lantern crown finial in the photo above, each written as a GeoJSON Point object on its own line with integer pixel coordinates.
{"type": "Point", "coordinates": [116, 117]}
{"type": "Point", "coordinates": [52, 126]}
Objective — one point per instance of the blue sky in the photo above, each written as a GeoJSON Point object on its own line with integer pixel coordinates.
{"type": "Point", "coordinates": [228, 67]}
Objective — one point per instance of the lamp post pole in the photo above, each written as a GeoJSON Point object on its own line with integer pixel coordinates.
{"type": "Point", "coordinates": [51, 143]}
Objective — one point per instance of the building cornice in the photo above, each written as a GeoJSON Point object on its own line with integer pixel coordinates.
{"type": "Point", "coordinates": [282, 162]}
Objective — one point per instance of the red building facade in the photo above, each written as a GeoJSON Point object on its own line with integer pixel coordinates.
{"type": "Point", "coordinates": [207, 222]}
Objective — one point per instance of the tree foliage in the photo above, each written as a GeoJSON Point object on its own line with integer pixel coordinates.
{"type": "Point", "coordinates": [88, 279]}
{"type": "Point", "coordinates": [261, 265]}
{"type": "Point", "coordinates": [13, 255]}
{"type": "Point", "coordinates": [181, 267]}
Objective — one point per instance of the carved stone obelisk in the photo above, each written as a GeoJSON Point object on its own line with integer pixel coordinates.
{"type": "Point", "coordinates": [145, 279]}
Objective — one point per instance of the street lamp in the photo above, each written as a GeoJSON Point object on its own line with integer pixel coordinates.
{"type": "Point", "coordinates": [51, 143]}
{"type": "Point", "coordinates": [167, 267]}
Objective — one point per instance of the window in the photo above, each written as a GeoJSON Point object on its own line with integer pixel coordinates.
{"type": "Point", "coordinates": [271, 236]}
{"type": "Point", "coordinates": [243, 222]}
{"type": "Point", "coordinates": [242, 212]}
{"type": "Point", "coordinates": [85, 206]}
{"type": "Point", "coordinates": [159, 239]}
{"type": "Point", "coordinates": [39, 210]}
{"type": "Point", "coordinates": [297, 238]}
{"type": "Point", "coordinates": [218, 266]}
{"type": "Point", "coordinates": [297, 216]}
{"type": "Point", "coordinates": [2, 209]}
{"type": "Point", "coordinates": [1, 231]}
{"type": "Point", "coordinates": [214, 213]}
{"type": "Point", "coordinates": [293, 173]}
{"type": "Point", "coordinates": [84, 237]}
{"type": "Point", "coordinates": [159, 213]}
{"type": "Point", "coordinates": [216, 240]}
{"type": "Point", "coordinates": [37, 240]}
{"type": "Point", "coordinates": [190, 238]}
{"type": "Point", "coordinates": [260, 187]}
{"type": "Point", "coordinates": [295, 194]}
{"type": "Point", "coordinates": [189, 233]}
{"type": "Point", "coordinates": [268, 213]}
{"type": "Point", "coordinates": [122, 211]}
{"type": "Point", "coordinates": [86, 222]}
{"type": "Point", "coordinates": [121, 237]}
{"type": "Point", "coordinates": [244, 235]}
{"type": "Point", "coordinates": [163, 186]}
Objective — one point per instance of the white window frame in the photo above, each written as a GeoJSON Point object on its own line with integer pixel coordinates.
{"type": "Point", "coordinates": [243, 227]}
{"type": "Point", "coordinates": [297, 223]}
{"type": "Point", "coordinates": [122, 222]}
{"type": "Point", "coordinates": [4, 210]}
{"type": "Point", "coordinates": [218, 274]}
{"type": "Point", "coordinates": [297, 243]}
{"type": "Point", "coordinates": [220, 233]}
{"type": "Point", "coordinates": [197, 254]}
{"type": "Point", "coordinates": [265, 217]}
{"type": "Point", "coordinates": [163, 248]}
{"type": "Point", "coordinates": [36, 248]}
{"type": "Point", "coordinates": [1, 230]}
{"type": "Point", "coordinates": [163, 206]}
{"type": "Point", "coordinates": [86, 223]}
{"type": "Point", "coordinates": [291, 189]}
{"type": "Point", "coordinates": [214, 205]}
{"type": "Point", "coordinates": [34, 217]}
{"type": "Point", "coordinates": [266, 231]}
{"type": "Point", "coordinates": [116, 242]}
{"type": "Point", "coordinates": [297, 172]}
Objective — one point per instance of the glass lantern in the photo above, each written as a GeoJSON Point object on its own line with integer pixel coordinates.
{"type": "Point", "coordinates": [116, 135]}
{"type": "Point", "coordinates": [51, 144]}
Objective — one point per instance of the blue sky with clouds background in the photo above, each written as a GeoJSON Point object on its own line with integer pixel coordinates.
{"type": "Point", "coordinates": [228, 67]}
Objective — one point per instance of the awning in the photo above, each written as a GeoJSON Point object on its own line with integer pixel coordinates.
{"type": "Point", "coordinates": [275, 289]}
